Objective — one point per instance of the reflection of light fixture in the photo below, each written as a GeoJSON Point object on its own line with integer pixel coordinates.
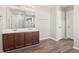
{"type": "Point", "coordinates": [29, 6]}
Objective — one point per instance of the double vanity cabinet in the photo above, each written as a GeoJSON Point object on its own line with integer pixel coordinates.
{"type": "Point", "coordinates": [18, 39]}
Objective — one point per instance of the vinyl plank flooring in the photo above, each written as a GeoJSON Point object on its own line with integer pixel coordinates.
{"type": "Point", "coordinates": [45, 46]}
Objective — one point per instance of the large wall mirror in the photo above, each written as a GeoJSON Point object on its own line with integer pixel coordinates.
{"type": "Point", "coordinates": [20, 19]}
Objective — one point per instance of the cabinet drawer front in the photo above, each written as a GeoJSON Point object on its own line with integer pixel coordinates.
{"type": "Point", "coordinates": [16, 40]}
{"type": "Point", "coordinates": [28, 38]}
{"type": "Point", "coordinates": [19, 40]}
{"type": "Point", "coordinates": [35, 37]}
{"type": "Point", "coordinates": [8, 42]}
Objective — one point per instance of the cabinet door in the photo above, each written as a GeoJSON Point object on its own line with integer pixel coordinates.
{"type": "Point", "coordinates": [28, 38]}
{"type": "Point", "coordinates": [19, 40]}
{"type": "Point", "coordinates": [8, 42]}
{"type": "Point", "coordinates": [35, 36]}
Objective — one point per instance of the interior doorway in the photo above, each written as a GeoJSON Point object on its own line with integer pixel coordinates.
{"type": "Point", "coordinates": [67, 22]}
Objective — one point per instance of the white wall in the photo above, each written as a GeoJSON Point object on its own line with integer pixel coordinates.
{"type": "Point", "coordinates": [42, 21]}
{"type": "Point", "coordinates": [56, 28]}
{"type": "Point", "coordinates": [0, 29]}
{"type": "Point", "coordinates": [76, 26]}
{"type": "Point", "coordinates": [53, 22]}
{"type": "Point", "coordinates": [58, 23]}
{"type": "Point", "coordinates": [2, 23]}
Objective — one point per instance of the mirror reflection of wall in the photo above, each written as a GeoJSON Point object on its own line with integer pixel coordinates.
{"type": "Point", "coordinates": [19, 19]}
{"type": "Point", "coordinates": [29, 21]}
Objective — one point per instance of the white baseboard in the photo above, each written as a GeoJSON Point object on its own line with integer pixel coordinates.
{"type": "Point", "coordinates": [47, 38]}
{"type": "Point", "coordinates": [76, 48]}
{"type": "Point", "coordinates": [44, 38]}
{"type": "Point", "coordinates": [53, 39]}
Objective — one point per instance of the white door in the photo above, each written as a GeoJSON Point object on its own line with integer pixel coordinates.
{"type": "Point", "coordinates": [59, 24]}
{"type": "Point", "coordinates": [63, 23]}
{"type": "Point", "coordinates": [69, 23]}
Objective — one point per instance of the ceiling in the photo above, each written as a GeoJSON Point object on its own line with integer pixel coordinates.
{"type": "Point", "coordinates": [50, 6]}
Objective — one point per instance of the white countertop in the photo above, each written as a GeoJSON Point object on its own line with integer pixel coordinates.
{"type": "Point", "coordinates": [19, 30]}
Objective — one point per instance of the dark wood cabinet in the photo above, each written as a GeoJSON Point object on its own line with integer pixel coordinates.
{"type": "Point", "coordinates": [28, 38]}
{"type": "Point", "coordinates": [8, 42]}
{"type": "Point", "coordinates": [19, 40]}
{"type": "Point", "coordinates": [16, 40]}
{"type": "Point", "coordinates": [35, 36]}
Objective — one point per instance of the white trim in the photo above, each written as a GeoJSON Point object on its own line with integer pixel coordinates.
{"type": "Point", "coordinates": [54, 38]}
{"type": "Point", "coordinates": [76, 48]}
{"type": "Point", "coordinates": [44, 38]}
{"type": "Point", "coordinates": [48, 38]}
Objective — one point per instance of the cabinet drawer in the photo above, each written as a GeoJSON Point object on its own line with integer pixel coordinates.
{"type": "Point", "coordinates": [19, 40]}
{"type": "Point", "coordinates": [28, 38]}
{"type": "Point", "coordinates": [8, 42]}
{"type": "Point", "coordinates": [16, 40]}
{"type": "Point", "coordinates": [35, 36]}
